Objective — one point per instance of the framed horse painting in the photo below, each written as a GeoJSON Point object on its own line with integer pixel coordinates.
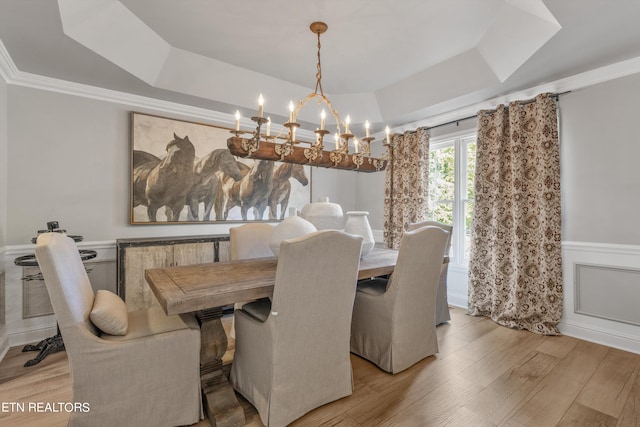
{"type": "Point", "coordinates": [183, 172]}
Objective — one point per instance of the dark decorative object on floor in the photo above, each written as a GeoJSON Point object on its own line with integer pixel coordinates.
{"type": "Point", "coordinates": [52, 344]}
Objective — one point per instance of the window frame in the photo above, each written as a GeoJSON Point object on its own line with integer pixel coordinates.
{"type": "Point", "coordinates": [459, 141]}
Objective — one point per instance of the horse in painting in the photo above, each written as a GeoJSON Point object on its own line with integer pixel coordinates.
{"type": "Point", "coordinates": [282, 187]}
{"type": "Point", "coordinates": [229, 197]}
{"type": "Point", "coordinates": [208, 174]}
{"type": "Point", "coordinates": [164, 182]}
{"type": "Point", "coordinates": [143, 163]}
{"type": "Point", "coordinates": [252, 191]}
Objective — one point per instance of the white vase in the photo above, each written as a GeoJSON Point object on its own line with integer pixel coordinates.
{"type": "Point", "coordinates": [324, 215]}
{"type": "Point", "coordinates": [358, 224]}
{"type": "Point", "coordinates": [291, 227]}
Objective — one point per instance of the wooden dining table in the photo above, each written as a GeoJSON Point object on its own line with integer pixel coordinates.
{"type": "Point", "coordinates": [204, 289]}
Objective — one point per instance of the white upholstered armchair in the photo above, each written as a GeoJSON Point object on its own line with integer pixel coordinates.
{"type": "Point", "coordinates": [147, 374]}
{"type": "Point", "coordinates": [392, 322]}
{"type": "Point", "coordinates": [292, 354]}
{"type": "Point", "coordinates": [442, 303]}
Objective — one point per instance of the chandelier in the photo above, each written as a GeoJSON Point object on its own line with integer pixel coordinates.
{"type": "Point", "coordinates": [263, 146]}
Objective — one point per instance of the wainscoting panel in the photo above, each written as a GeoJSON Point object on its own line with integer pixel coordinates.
{"type": "Point", "coordinates": [607, 292]}
{"type": "Point", "coordinates": [602, 293]}
{"type": "Point", "coordinates": [35, 298]}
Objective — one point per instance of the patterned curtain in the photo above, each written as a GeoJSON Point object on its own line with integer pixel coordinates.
{"type": "Point", "coordinates": [515, 271]}
{"type": "Point", "coordinates": [407, 184]}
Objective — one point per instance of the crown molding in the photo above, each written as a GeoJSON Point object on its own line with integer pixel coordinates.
{"type": "Point", "coordinates": [13, 76]}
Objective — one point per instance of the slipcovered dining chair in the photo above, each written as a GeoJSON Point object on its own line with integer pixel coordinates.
{"type": "Point", "coordinates": [292, 353]}
{"type": "Point", "coordinates": [392, 322]}
{"type": "Point", "coordinates": [145, 371]}
{"type": "Point", "coordinates": [249, 241]}
{"type": "Point", "coordinates": [442, 303]}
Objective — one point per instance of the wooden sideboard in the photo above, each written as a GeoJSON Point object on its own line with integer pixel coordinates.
{"type": "Point", "coordinates": [135, 255]}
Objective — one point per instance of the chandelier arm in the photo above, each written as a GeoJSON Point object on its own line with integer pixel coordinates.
{"type": "Point", "coordinates": [322, 98]}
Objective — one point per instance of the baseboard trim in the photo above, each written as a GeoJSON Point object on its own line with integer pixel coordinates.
{"type": "Point", "coordinates": [31, 336]}
{"type": "Point", "coordinates": [459, 301]}
{"type": "Point", "coordinates": [608, 337]}
{"type": "Point", "coordinates": [4, 346]}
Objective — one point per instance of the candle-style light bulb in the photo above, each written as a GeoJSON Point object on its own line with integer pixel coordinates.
{"type": "Point", "coordinates": [260, 106]}
{"type": "Point", "coordinates": [237, 120]}
{"type": "Point", "coordinates": [347, 121]}
{"type": "Point", "coordinates": [366, 128]}
{"type": "Point", "coordinates": [323, 116]}
{"type": "Point", "coordinates": [268, 126]}
{"type": "Point", "coordinates": [387, 131]}
{"type": "Point", "coordinates": [291, 109]}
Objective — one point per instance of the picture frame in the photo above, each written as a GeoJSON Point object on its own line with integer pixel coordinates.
{"type": "Point", "coordinates": [182, 172]}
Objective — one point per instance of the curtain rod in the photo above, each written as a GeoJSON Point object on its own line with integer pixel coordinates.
{"type": "Point", "coordinates": [525, 102]}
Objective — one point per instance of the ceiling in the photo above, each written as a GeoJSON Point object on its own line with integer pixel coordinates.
{"type": "Point", "coordinates": [386, 61]}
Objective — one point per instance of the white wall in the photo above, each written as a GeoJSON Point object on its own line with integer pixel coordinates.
{"type": "Point", "coordinates": [70, 163]}
{"type": "Point", "coordinates": [600, 152]}
{"type": "Point", "coordinates": [600, 178]}
{"type": "Point", "coordinates": [370, 197]}
{"type": "Point", "coordinates": [338, 185]}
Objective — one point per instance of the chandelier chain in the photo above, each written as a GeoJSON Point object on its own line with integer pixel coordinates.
{"type": "Point", "coordinates": [319, 72]}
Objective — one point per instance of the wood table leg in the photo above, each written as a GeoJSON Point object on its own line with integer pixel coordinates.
{"type": "Point", "coordinates": [221, 404]}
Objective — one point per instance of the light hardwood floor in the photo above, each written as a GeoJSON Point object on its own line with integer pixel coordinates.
{"type": "Point", "coordinates": [484, 375]}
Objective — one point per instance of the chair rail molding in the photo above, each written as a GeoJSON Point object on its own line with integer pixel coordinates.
{"type": "Point", "coordinates": [609, 248]}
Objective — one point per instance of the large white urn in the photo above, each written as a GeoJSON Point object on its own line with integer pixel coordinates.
{"type": "Point", "coordinates": [291, 227]}
{"type": "Point", "coordinates": [323, 214]}
{"type": "Point", "coordinates": [358, 224]}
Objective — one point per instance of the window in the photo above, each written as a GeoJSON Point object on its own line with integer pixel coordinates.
{"type": "Point", "coordinates": [451, 175]}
